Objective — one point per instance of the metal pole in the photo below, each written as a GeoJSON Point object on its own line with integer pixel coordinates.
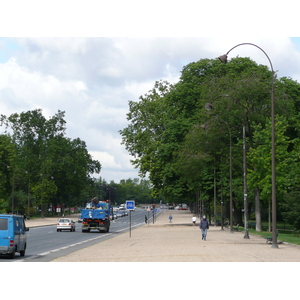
{"type": "Point", "coordinates": [231, 208]}
{"type": "Point", "coordinates": [222, 212]}
{"type": "Point", "coordinates": [130, 223]}
{"type": "Point", "coordinates": [28, 211]}
{"type": "Point", "coordinates": [215, 198]}
{"type": "Point", "coordinates": [274, 220]}
{"type": "Point", "coordinates": [246, 236]}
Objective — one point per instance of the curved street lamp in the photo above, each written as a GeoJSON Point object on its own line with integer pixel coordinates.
{"type": "Point", "coordinates": [223, 58]}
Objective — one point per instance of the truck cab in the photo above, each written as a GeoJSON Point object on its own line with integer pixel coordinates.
{"type": "Point", "coordinates": [13, 236]}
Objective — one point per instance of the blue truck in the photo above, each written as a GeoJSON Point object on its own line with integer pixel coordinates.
{"type": "Point", "coordinates": [96, 215]}
{"type": "Point", "coordinates": [12, 235]}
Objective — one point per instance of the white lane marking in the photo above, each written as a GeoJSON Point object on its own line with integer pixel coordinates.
{"type": "Point", "coordinates": [79, 243]}
{"type": "Point", "coordinates": [72, 245]}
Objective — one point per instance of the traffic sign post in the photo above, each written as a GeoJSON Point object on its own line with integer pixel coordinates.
{"type": "Point", "coordinates": [130, 205]}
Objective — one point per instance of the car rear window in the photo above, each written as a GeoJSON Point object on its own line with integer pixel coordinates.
{"type": "Point", "coordinates": [3, 224]}
{"type": "Point", "coordinates": [64, 221]}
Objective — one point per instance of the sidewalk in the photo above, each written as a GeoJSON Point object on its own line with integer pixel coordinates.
{"type": "Point", "coordinates": [47, 221]}
{"type": "Point", "coordinates": [180, 241]}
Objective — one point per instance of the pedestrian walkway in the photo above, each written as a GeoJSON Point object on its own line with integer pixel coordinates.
{"type": "Point", "coordinates": [180, 241]}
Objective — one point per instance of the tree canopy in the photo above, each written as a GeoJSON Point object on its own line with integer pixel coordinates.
{"type": "Point", "coordinates": [39, 161]}
{"type": "Point", "coordinates": [180, 144]}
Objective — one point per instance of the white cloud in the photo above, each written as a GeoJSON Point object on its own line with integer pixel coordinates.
{"type": "Point", "coordinates": [92, 80]}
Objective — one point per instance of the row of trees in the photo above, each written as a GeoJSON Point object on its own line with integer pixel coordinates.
{"type": "Point", "coordinates": [39, 165]}
{"type": "Point", "coordinates": [41, 168]}
{"type": "Point", "coordinates": [184, 148]}
{"type": "Point", "coordinates": [139, 190]}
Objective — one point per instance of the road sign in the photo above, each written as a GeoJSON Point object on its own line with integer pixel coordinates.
{"type": "Point", "coordinates": [130, 205]}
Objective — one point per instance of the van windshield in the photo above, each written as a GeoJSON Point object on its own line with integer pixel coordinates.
{"type": "Point", "coordinates": [3, 224]}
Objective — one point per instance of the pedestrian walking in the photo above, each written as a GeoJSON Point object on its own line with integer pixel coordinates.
{"type": "Point", "coordinates": [146, 219]}
{"type": "Point", "coordinates": [204, 226]}
{"type": "Point", "coordinates": [194, 219]}
{"type": "Point", "coordinates": [170, 218]}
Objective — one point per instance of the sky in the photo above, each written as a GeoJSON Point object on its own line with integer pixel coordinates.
{"type": "Point", "coordinates": [92, 80]}
{"type": "Point", "coordinates": [93, 73]}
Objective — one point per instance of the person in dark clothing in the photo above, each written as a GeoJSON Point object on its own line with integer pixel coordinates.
{"type": "Point", "coordinates": [204, 226]}
{"type": "Point", "coordinates": [146, 219]}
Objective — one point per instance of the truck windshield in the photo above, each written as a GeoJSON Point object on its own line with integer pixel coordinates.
{"type": "Point", "coordinates": [103, 206]}
{"type": "Point", "coordinates": [3, 224]}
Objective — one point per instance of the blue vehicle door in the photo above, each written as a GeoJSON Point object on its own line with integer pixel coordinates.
{"type": "Point", "coordinates": [17, 230]}
{"type": "Point", "coordinates": [22, 233]}
{"type": "Point", "coordinates": [4, 240]}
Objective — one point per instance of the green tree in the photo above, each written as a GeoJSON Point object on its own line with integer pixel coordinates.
{"type": "Point", "coordinates": [259, 159]}
{"type": "Point", "coordinates": [56, 168]}
{"type": "Point", "coordinates": [166, 138]}
{"type": "Point", "coordinates": [7, 157]}
{"type": "Point", "coordinates": [180, 107]}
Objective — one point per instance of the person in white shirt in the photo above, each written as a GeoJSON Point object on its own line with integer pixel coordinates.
{"type": "Point", "coordinates": [194, 219]}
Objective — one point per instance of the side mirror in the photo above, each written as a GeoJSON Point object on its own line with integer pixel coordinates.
{"type": "Point", "coordinates": [27, 228]}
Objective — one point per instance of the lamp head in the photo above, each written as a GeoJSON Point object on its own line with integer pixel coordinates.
{"type": "Point", "coordinates": [223, 58]}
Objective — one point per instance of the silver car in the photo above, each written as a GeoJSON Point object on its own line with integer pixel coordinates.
{"type": "Point", "coordinates": [65, 224]}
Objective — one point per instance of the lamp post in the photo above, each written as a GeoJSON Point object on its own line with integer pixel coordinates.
{"type": "Point", "coordinates": [223, 58]}
{"type": "Point", "coordinates": [246, 236]}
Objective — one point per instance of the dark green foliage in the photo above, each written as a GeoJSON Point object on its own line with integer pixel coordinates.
{"type": "Point", "coordinates": [290, 209]}
{"type": "Point", "coordinates": [45, 167]}
{"type": "Point", "coordinates": [179, 143]}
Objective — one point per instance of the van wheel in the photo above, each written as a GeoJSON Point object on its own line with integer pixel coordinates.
{"type": "Point", "coordinates": [22, 252]}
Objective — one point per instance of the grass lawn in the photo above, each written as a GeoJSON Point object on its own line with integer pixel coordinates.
{"type": "Point", "coordinates": [287, 236]}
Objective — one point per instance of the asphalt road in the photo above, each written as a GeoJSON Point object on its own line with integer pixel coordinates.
{"type": "Point", "coordinates": [46, 244]}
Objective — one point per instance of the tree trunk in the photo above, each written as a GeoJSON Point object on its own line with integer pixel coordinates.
{"type": "Point", "coordinates": [257, 210]}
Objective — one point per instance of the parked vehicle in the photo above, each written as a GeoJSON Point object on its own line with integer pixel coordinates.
{"type": "Point", "coordinates": [65, 224]}
{"type": "Point", "coordinates": [12, 235]}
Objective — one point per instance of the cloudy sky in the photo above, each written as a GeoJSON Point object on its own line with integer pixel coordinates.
{"type": "Point", "coordinates": [92, 80]}
{"type": "Point", "coordinates": [89, 58]}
